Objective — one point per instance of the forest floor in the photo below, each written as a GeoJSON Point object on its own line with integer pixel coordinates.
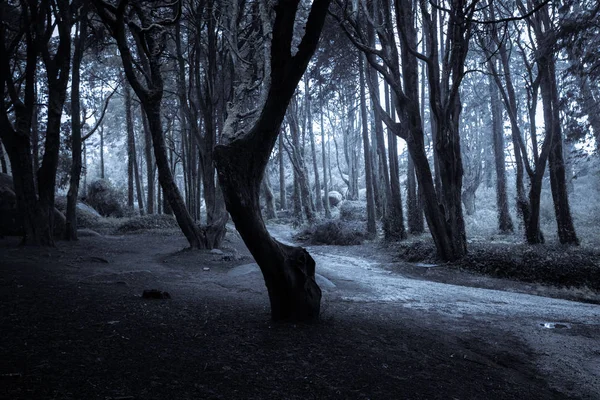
{"type": "Point", "coordinates": [73, 325]}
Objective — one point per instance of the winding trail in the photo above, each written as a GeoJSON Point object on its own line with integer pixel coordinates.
{"type": "Point", "coordinates": [564, 336]}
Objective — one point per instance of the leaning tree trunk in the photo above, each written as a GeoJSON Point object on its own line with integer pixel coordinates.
{"type": "Point", "coordinates": [210, 239]}
{"type": "Point", "coordinates": [151, 97]}
{"type": "Point", "coordinates": [289, 272]}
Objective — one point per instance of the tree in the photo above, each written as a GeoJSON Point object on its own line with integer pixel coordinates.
{"type": "Point", "coordinates": [149, 36]}
{"type": "Point", "coordinates": [242, 158]}
{"type": "Point", "coordinates": [545, 33]}
{"type": "Point", "coordinates": [34, 189]}
{"type": "Point", "coordinates": [310, 133]}
{"type": "Point", "coordinates": [505, 223]}
{"type": "Point", "coordinates": [371, 227]}
{"type": "Point", "coordinates": [497, 55]}
{"type": "Point", "coordinates": [444, 219]}
{"type": "Point", "coordinates": [295, 149]}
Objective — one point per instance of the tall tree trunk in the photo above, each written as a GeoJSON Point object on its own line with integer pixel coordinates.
{"type": "Point", "coordinates": [130, 148]}
{"type": "Point", "coordinates": [300, 174]}
{"type": "Point", "coordinates": [444, 219]}
{"type": "Point", "coordinates": [505, 223]}
{"type": "Point", "coordinates": [80, 39]}
{"type": "Point", "coordinates": [282, 194]}
{"type": "Point", "coordinates": [318, 195]}
{"type": "Point", "coordinates": [149, 163]}
{"type": "Point", "coordinates": [134, 158]}
{"type": "Point", "coordinates": [415, 213]}
{"type": "Point", "coordinates": [151, 98]}
{"type": "Point", "coordinates": [527, 205]}
{"type": "Point", "coordinates": [351, 154]}
{"type": "Point", "coordinates": [269, 198]}
{"type": "Point", "coordinates": [208, 239]}
{"type": "Point", "coordinates": [396, 205]}
{"type": "Point", "coordinates": [393, 219]}
{"type": "Point", "coordinates": [288, 271]}
{"type": "Point", "coordinates": [326, 204]}
{"type": "Point", "coordinates": [57, 71]}
{"type": "Point", "coordinates": [102, 175]}
{"type": "Point", "coordinates": [84, 167]}
{"type": "Point", "coordinates": [297, 201]}
{"type": "Point", "coordinates": [35, 135]}
{"type": "Point", "coordinates": [558, 184]}
{"type": "Point", "coordinates": [371, 226]}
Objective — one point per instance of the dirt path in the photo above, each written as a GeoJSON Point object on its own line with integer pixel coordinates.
{"type": "Point", "coordinates": [73, 326]}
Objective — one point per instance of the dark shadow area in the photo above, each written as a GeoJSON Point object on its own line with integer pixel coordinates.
{"type": "Point", "coordinates": [76, 327]}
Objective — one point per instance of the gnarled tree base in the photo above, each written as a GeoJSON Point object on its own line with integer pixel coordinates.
{"type": "Point", "coordinates": [289, 272]}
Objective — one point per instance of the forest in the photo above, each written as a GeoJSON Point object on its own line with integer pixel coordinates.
{"type": "Point", "coordinates": [339, 154]}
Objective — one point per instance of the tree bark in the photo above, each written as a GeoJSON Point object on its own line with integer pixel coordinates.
{"type": "Point", "coordinates": [505, 223]}
{"type": "Point", "coordinates": [80, 40]}
{"type": "Point", "coordinates": [288, 271]}
{"type": "Point", "coordinates": [269, 198]}
{"type": "Point", "coordinates": [151, 98]}
{"type": "Point", "coordinates": [318, 195]}
{"type": "Point", "coordinates": [396, 205]}
{"type": "Point", "coordinates": [282, 194]}
{"type": "Point", "coordinates": [130, 148]}
{"type": "Point", "coordinates": [57, 71]}
{"type": "Point", "coordinates": [149, 163]}
{"type": "Point", "coordinates": [326, 204]}
{"type": "Point", "coordinates": [371, 226]}
{"type": "Point", "coordinates": [299, 165]}
{"type": "Point", "coordinates": [558, 184]}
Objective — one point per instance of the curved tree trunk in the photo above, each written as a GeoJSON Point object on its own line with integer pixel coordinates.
{"type": "Point", "coordinates": [289, 272]}
{"type": "Point", "coordinates": [151, 97]}
{"type": "Point", "coordinates": [170, 189]}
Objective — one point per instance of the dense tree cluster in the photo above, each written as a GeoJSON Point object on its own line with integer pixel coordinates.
{"type": "Point", "coordinates": [254, 109]}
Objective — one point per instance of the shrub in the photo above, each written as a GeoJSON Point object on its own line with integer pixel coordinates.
{"type": "Point", "coordinates": [353, 211]}
{"type": "Point", "coordinates": [153, 221]}
{"type": "Point", "coordinates": [105, 198]}
{"type": "Point", "coordinates": [87, 217]}
{"type": "Point", "coordinates": [337, 233]}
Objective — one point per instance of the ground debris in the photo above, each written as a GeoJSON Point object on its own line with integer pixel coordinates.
{"type": "Point", "coordinates": [155, 294]}
{"type": "Point", "coordinates": [99, 259]}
